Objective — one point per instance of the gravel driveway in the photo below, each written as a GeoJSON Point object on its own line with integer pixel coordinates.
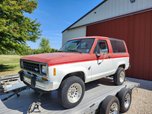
{"type": "Point", "coordinates": [141, 99]}
{"type": "Point", "coordinates": [141, 102]}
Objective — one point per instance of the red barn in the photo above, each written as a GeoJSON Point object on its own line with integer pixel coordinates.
{"type": "Point", "coordinates": [130, 20]}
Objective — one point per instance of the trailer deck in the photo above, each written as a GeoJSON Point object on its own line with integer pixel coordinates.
{"type": "Point", "coordinates": [95, 92]}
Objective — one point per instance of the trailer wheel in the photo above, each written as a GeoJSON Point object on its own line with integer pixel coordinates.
{"type": "Point", "coordinates": [119, 76]}
{"type": "Point", "coordinates": [124, 97]}
{"type": "Point", "coordinates": [110, 105]}
{"type": "Point", "coordinates": [71, 92]}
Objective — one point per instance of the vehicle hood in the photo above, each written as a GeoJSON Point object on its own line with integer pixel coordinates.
{"type": "Point", "coordinates": [57, 58]}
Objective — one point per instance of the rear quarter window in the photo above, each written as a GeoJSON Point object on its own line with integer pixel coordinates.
{"type": "Point", "coordinates": [118, 46]}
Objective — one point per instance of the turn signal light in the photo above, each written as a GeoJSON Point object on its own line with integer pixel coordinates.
{"type": "Point", "coordinates": [54, 71]}
{"type": "Point", "coordinates": [45, 78]}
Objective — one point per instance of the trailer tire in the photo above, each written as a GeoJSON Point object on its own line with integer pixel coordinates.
{"type": "Point", "coordinates": [71, 92]}
{"type": "Point", "coordinates": [124, 97]}
{"type": "Point", "coordinates": [110, 103]}
{"type": "Point", "coordinates": [119, 76]}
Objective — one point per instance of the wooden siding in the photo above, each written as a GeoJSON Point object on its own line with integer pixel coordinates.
{"type": "Point", "coordinates": [136, 30]}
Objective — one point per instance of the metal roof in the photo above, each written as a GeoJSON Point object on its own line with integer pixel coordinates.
{"type": "Point", "coordinates": [85, 14]}
{"type": "Point", "coordinates": [111, 9]}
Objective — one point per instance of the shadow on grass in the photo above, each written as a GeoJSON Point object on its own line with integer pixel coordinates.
{"type": "Point", "coordinates": [6, 67]}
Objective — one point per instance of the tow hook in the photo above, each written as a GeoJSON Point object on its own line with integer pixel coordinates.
{"type": "Point", "coordinates": [35, 106]}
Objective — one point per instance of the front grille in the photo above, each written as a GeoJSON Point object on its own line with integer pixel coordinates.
{"type": "Point", "coordinates": [35, 67]}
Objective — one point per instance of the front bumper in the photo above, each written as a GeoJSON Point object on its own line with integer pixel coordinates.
{"type": "Point", "coordinates": [36, 82]}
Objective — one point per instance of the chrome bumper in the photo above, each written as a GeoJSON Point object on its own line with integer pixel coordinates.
{"type": "Point", "coordinates": [38, 82]}
{"type": "Point", "coordinates": [47, 86]}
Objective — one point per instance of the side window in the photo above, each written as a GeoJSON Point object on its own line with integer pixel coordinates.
{"type": "Point", "coordinates": [118, 46]}
{"type": "Point", "coordinates": [101, 47]}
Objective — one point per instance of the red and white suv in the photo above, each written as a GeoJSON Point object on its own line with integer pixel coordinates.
{"type": "Point", "coordinates": [79, 61]}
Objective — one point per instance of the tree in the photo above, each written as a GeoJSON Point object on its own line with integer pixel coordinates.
{"type": "Point", "coordinates": [25, 50]}
{"type": "Point", "coordinates": [45, 45]}
{"type": "Point", "coordinates": [15, 28]}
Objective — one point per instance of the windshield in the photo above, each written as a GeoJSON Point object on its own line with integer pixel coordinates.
{"type": "Point", "coordinates": [78, 45]}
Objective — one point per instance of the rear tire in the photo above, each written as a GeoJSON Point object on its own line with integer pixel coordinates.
{"type": "Point", "coordinates": [110, 104]}
{"type": "Point", "coordinates": [71, 92]}
{"type": "Point", "coordinates": [124, 97]}
{"type": "Point", "coordinates": [119, 76]}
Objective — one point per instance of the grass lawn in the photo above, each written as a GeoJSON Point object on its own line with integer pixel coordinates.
{"type": "Point", "coordinates": [9, 64]}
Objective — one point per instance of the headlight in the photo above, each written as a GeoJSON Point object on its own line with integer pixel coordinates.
{"type": "Point", "coordinates": [44, 69]}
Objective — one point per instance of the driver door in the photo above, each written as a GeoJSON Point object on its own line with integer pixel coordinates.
{"type": "Point", "coordinates": [102, 66]}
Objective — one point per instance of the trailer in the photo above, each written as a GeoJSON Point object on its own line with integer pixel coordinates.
{"type": "Point", "coordinates": [11, 84]}
{"type": "Point", "coordinates": [95, 95]}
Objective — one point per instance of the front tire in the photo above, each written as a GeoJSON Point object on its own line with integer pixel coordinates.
{"type": "Point", "coordinates": [71, 92]}
{"type": "Point", "coordinates": [119, 76]}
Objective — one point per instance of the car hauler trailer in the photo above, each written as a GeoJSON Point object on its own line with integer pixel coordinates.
{"type": "Point", "coordinates": [96, 93]}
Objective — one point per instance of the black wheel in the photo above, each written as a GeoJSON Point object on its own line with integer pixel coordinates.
{"type": "Point", "coordinates": [119, 76]}
{"type": "Point", "coordinates": [71, 91]}
{"type": "Point", "coordinates": [124, 97]}
{"type": "Point", "coordinates": [110, 105]}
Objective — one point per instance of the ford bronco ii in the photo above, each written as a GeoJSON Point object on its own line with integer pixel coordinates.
{"type": "Point", "coordinates": [79, 61]}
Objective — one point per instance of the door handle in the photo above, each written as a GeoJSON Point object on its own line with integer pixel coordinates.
{"type": "Point", "coordinates": [109, 56]}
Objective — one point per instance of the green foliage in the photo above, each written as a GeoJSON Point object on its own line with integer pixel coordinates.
{"type": "Point", "coordinates": [45, 45]}
{"type": "Point", "coordinates": [15, 28]}
{"type": "Point", "coordinates": [26, 50]}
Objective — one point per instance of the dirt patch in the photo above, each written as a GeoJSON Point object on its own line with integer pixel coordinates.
{"type": "Point", "coordinates": [141, 102]}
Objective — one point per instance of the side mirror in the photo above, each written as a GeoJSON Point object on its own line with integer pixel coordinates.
{"type": "Point", "coordinates": [98, 54]}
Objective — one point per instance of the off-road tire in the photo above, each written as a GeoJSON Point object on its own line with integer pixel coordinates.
{"type": "Point", "coordinates": [63, 91]}
{"type": "Point", "coordinates": [117, 76]}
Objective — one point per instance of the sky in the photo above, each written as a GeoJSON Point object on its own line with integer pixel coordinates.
{"type": "Point", "coordinates": [56, 15]}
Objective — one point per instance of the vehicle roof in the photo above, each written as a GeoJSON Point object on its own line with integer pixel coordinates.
{"type": "Point", "coordinates": [95, 37]}
{"type": "Point", "coordinates": [98, 37]}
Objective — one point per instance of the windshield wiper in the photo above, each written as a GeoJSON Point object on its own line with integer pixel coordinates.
{"type": "Point", "coordinates": [71, 50]}
{"type": "Point", "coordinates": [60, 51]}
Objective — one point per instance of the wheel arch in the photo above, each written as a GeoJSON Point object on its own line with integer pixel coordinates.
{"type": "Point", "coordinates": [122, 66]}
{"type": "Point", "coordinates": [79, 74]}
